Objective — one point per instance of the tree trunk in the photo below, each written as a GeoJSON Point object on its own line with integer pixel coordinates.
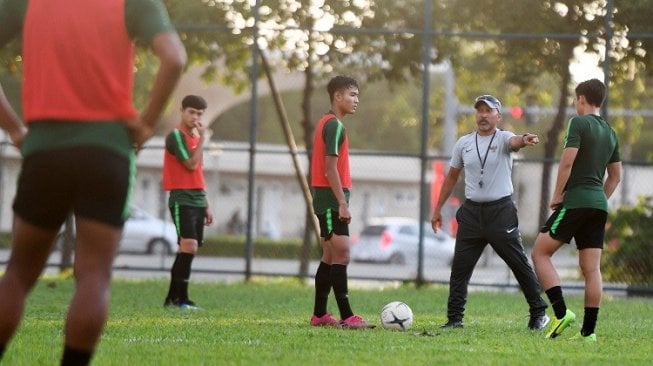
{"type": "Point", "coordinates": [309, 128]}
{"type": "Point", "coordinates": [552, 139]}
{"type": "Point", "coordinates": [311, 220]}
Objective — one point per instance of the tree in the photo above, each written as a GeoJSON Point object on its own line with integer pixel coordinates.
{"type": "Point", "coordinates": [527, 48]}
{"type": "Point", "coordinates": [486, 40]}
{"type": "Point", "coordinates": [313, 37]}
{"type": "Point", "coordinates": [632, 19]}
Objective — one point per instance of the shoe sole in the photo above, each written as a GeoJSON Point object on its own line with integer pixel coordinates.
{"type": "Point", "coordinates": [188, 307]}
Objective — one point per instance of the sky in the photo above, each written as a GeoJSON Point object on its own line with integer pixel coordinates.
{"type": "Point", "coordinates": [586, 67]}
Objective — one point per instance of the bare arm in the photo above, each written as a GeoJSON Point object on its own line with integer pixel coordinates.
{"type": "Point", "coordinates": [167, 47]}
{"type": "Point", "coordinates": [334, 182]}
{"type": "Point", "coordinates": [613, 179]}
{"type": "Point", "coordinates": [445, 191]}
{"type": "Point", "coordinates": [10, 122]}
{"type": "Point", "coordinates": [208, 219]}
{"type": "Point", "coordinates": [564, 170]}
{"type": "Point", "coordinates": [193, 162]}
{"type": "Point", "coordinates": [519, 141]}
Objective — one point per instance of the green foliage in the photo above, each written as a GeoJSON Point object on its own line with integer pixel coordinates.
{"type": "Point", "coordinates": [265, 322]}
{"type": "Point", "coordinates": [11, 86]}
{"type": "Point", "coordinates": [234, 246]}
{"type": "Point", "coordinates": [10, 62]}
{"type": "Point", "coordinates": [629, 252]}
{"type": "Point", "coordinates": [635, 16]}
{"type": "Point", "coordinates": [5, 239]}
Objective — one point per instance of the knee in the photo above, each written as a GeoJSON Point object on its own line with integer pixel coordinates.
{"type": "Point", "coordinates": [188, 246]}
{"type": "Point", "coordinates": [340, 256]}
{"type": "Point", "coordinates": [538, 253]}
{"type": "Point", "coordinates": [534, 255]}
{"type": "Point", "coordinates": [590, 272]}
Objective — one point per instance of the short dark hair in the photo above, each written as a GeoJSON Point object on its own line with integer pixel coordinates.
{"type": "Point", "coordinates": [340, 82]}
{"type": "Point", "coordinates": [593, 90]}
{"type": "Point", "coordinates": [193, 101]}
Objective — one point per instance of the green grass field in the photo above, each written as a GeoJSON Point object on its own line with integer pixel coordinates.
{"type": "Point", "coordinates": [265, 322]}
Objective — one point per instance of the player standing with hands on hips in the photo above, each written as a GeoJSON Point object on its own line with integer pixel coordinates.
{"type": "Point", "coordinates": [331, 182]}
{"type": "Point", "coordinates": [488, 214]}
{"type": "Point", "coordinates": [183, 176]}
{"type": "Point", "coordinates": [580, 204]}
{"type": "Point", "coordinates": [78, 153]}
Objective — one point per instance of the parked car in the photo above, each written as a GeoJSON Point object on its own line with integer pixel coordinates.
{"type": "Point", "coordinates": [395, 240]}
{"type": "Point", "coordinates": [142, 233]}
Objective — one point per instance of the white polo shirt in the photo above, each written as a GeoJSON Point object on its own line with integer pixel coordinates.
{"type": "Point", "coordinates": [470, 151]}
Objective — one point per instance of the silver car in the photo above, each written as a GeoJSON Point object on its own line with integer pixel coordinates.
{"type": "Point", "coordinates": [142, 233]}
{"type": "Point", "coordinates": [395, 240]}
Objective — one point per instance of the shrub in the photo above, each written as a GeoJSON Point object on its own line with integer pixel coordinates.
{"type": "Point", "coordinates": [234, 246]}
{"type": "Point", "coordinates": [628, 256]}
{"type": "Point", "coordinates": [5, 240]}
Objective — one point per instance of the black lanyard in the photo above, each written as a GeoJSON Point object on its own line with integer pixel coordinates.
{"type": "Point", "coordinates": [482, 161]}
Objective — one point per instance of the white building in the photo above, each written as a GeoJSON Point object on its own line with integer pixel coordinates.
{"type": "Point", "coordinates": [383, 186]}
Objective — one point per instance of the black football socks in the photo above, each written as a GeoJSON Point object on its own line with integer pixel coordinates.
{"type": "Point", "coordinates": [185, 262]}
{"type": "Point", "coordinates": [339, 283]}
{"type": "Point", "coordinates": [322, 288]}
{"type": "Point", "coordinates": [589, 321]}
{"type": "Point", "coordinates": [179, 277]}
{"type": "Point", "coordinates": [557, 301]}
{"type": "Point", "coordinates": [72, 357]}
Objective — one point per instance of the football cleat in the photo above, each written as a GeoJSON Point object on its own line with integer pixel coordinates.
{"type": "Point", "coordinates": [324, 320]}
{"type": "Point", "coordinates": [356, 322]}
{"type": "Point", "coordinates": [559, 325]}
{"type": "Point", "coordinates": [585, 339]}
{"type": "Point", "coordinates": [538, 322]}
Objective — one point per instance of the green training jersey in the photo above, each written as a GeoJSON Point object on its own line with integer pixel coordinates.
{"type": "Point", "coordinates": [324, 199]}
{"type": "Point", "coordinates": [112, 134]}
{"type": "Point", "coordinates": [597, 147]}
{"type": "Point", "coordinates": [187, 197]}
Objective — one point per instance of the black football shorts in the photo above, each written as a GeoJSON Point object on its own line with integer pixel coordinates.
{"type": "Point", "coordinates": [92, 182]}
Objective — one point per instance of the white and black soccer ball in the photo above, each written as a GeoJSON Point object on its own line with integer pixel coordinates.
{"type": "Point", "coordinates": [397, 316]}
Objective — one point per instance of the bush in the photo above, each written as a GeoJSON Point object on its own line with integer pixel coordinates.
{"type": "Point", "coordinates": [5, 240]}
{"type": "Point", "coordinates": [234, 246]}
{"type": "Point", "coordinates": [628, 256]}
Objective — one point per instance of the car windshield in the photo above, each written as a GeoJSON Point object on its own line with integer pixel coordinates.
{"type": "Point", "coordinates": [373, 230]}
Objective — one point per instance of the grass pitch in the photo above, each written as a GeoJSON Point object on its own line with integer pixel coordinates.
{"type": "Point", "coordinates": [265, 322]}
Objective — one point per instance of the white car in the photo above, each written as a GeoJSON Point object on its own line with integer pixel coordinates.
{"type": "Point", "coordinates": [395, 240]}
{"type": "Point", "coordinates": [143, 233]}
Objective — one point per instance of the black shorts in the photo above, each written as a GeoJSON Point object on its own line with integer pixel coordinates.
{"type": "Point", "coordinates": [92, 182]}
{"type": "Point", "coordinates": [329, 224]}
{"type": "Point", "coordinates": [585, 225]}
{"type": "Point", "coordinates": [189, 222]}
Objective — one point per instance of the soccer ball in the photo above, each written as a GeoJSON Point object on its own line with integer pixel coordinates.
{"type": "Point", "coordinates": [396, 315]}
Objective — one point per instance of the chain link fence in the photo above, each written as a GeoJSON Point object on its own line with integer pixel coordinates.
{"type": "Point", "coordinates": [280, 220]}
{"type": "Point", "coordinates": [260, 213]}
